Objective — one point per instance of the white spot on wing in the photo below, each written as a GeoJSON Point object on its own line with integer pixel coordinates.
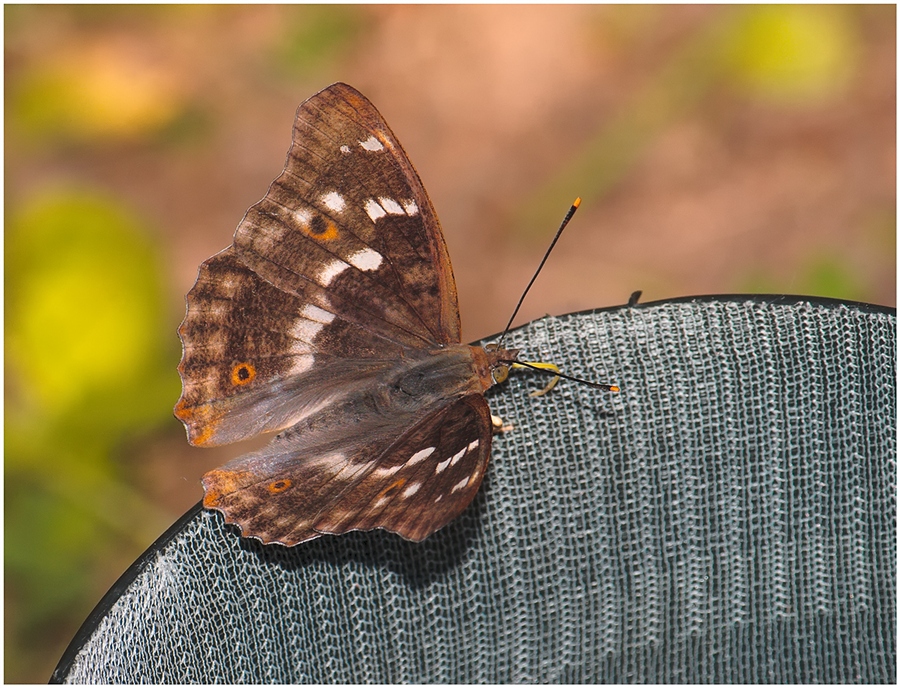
{"type": "Point", "coordinates": [330, 271]}
{"type": "Point", "coordinates": [345, 149]}
{"type": "Point", "coordinates": [333, 201]}
{"type": "Point", "coordinates": [420, 456]}
{"type": "Point", "coordinates": [311, 321]}
{"type": "Point", "coordinates": [350, 471]}
{"type": "Point", "coordinates": [438, 498]}
{"type": "Point", "coordinates": [373, 210]}
{"type": "Point", "coordinates": [458, 455]}
{"type": "Point", "coordinates": [390, 205]}
{"type": "Point", "coordinates": [306, 330]}
{"type": "Point", "coordinates": [366, 259]}
{"type": "Point", "coordinates": [412, 489]}
{"type": "Point", "coordinates": [371, 144]}
{"type": "Point", "coordinates": [334, 460]}
{"type": "Point", "coordinates": [442, 465]}
{"type": "Point", "coordinates": [460, 485]}
{"type": "Point", "coordinates": [312, 312]}
{"type": "Point", "coordinates": [411, 208]}
{"type": "Point", "coordinates": [302, 364]}
{"type": "Point", "coordinates": [303, 216]}
{"type": "Point", "coordinates": [385, 471]}
{"type": "Point", "coordinates": [473, 444]}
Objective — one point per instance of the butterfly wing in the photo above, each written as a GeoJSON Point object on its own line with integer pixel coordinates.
{"type": "Point", "coordinates": [411, 477]}
{"type": "Point", "coordinates": [332, 275]}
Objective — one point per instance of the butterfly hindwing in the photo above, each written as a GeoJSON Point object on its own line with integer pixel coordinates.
{"type": "Point", "coordinates": [424, 481]}
{"type": "Point", "coordinates": [342, 263]}
{"type": "Point", "coordinates": [409, 480]}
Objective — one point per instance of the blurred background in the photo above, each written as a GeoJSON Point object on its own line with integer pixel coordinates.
{"type": "Point", "coordinates": [718, 149]}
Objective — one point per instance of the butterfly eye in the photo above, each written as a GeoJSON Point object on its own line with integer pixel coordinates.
{"type": "Point", "coordinates": [500, 373]}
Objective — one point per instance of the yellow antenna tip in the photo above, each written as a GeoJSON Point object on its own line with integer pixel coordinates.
{"type": "Point", "coordinates": [613, 388]}
{"type": "Point", "coordinates": [577, 202]}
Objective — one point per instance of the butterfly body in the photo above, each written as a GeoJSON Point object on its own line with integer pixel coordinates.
{"type": "Point", "coordinates": [332, 321]}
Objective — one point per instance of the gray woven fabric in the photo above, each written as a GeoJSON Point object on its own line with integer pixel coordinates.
{"type": "Point", "coordinates": [728, 517]}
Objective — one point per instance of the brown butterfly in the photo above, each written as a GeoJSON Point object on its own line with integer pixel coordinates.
{"type": "Point", "coordinates": [332, 320]}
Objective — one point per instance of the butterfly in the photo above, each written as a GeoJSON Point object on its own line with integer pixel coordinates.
{"type": "Point", "coordinates": [332, 320]}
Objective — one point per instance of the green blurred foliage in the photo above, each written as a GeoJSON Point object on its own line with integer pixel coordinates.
{"type": "Point", "coordinates": [90, 350]}
{"type": "Point", "coordinates": [824, 275]}
{"type": "Point", "coordinates": [830, 276]}
{"type": "Point", "coordinates": [79, 271]}
{"type": "Point", "coordinates": [103, 91]}
{"type": "Point", "coordinates": [92, 95]}
{"type": "Point", "coordinates": [829, 273]}
{"type": "Point", "coordinates": [793, 53]}
{"type": "Point", "coordinates": [87, 365]}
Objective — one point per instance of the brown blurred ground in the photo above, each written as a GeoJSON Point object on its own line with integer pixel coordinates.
{"type": "Point", "coordinates": [701, 172]}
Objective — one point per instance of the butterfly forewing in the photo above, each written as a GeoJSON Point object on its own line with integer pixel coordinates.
{"type": "Point", "coordinates": [380, 181]}
{"type": "Point", "coordinates": [342, 259]}
{"type": "Point", "coordinates": [350, 198]}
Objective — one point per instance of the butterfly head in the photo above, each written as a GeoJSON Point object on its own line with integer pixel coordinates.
{"type": "Point", "coordinates": [499, 360]}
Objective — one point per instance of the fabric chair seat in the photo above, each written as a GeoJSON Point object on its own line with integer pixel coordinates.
{"type": "Point", "coordinates": [728, 517]}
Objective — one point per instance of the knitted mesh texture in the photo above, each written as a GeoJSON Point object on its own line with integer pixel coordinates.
{"type": "Point", "coordinates": [728, 517]}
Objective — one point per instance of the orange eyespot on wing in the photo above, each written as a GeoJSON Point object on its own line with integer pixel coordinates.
{"type": "Point", "coordinates": [320, 228]}
{"type": "Point", "coordinates": [242, 374]}
{"type": "Point", "coordinates": [280, 486]}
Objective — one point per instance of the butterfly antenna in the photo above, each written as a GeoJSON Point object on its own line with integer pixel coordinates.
{"type": "Point", "coordinates": [555, 373]}
{"type": "Point", "coordinates": [559, 231]}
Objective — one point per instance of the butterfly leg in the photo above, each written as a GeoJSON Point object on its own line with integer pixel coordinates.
{"type": "Point", "coordinates": [543, 366]}
{"type": "Point", "coordinates": [498, 426]}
